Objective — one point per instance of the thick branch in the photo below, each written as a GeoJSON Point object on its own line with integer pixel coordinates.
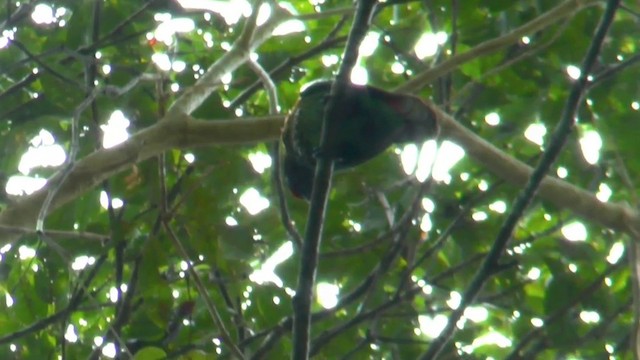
{"type": "Point", "coordinates": [186, 132]}
{"type": "Point", "coordinates": [174, 132]}
{"type": "Point", "coordinates": [558, 192]}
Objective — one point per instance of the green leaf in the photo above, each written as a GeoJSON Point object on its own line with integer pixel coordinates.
{"type": "Point", "coordinates": [150, 353]}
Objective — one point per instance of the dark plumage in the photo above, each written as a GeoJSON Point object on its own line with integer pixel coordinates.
{"type": "Point", "coordinates": [372, 120]}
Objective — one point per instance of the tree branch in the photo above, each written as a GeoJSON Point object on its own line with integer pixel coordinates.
{"type": "Point", "coordinates": [561, 11]}
{"type": "Point", "coordinates": [322, 184]}
{"type": "Point", "coordinates": [178, 131]}
{"type": "Point", "coordinates": [195, 95]}
{"type": "Point", "coordinates": [181, 131]}
{"type": "Point", "coordinates": [562, 131]}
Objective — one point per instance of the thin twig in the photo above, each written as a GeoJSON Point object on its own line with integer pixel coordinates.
{"type": "Point", "coordinates": [36, 59]}
{"type": "Point", "coordinates": [511, 59]}
{"type": "Point", "coordinates": [74, 303]}
{"type": "Point", "coordinates": [202, 290]}
{"type": "Point", "coordinates": [285, 66]}
{"type": "Point", "coordinates": [272, 95]}
{"type": "Point", "coordinates": [56, 234]}
{"type": "Point", "coordinates": [75, 144]}
{"type": "Point", "coordinates": [559, 12]}
{"type": "Point", "coordinates": [613, 70]}
{"type": "Point", "coordinates": [585, 293]}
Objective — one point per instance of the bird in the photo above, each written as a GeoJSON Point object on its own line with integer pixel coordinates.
{"type": "Point", "coordinates": [371, 120]}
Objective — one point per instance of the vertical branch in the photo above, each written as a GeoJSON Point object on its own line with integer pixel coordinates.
{"type": "Point", "coordinates": [634, 263]}
{"type": "Point", "coordinates": [491, 264]}
{"type": "Point", "coordinates": [633, 255]}
{"type": "Point", "coordinates": [322, 183]}
{"type": "Point", "coordinates": [272, 95]}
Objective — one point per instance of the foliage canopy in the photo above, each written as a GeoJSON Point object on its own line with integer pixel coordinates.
{"type": "Point", "coordinates": [398, 253]}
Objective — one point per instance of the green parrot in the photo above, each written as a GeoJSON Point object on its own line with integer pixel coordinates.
{"type": "Point", "coordinates": [373, 119]}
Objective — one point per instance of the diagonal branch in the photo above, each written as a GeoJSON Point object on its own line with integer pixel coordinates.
{"type": "Point", "coordinates": [176, 132]}
{"type": "Point", "coordinates": [251, 37]}
{"type": "Point", "coordinates": [565, 9]}
{"type": "Point", "coordinates": [491, 262]}
{"type": "Point", "coordinates": [185, 132]}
